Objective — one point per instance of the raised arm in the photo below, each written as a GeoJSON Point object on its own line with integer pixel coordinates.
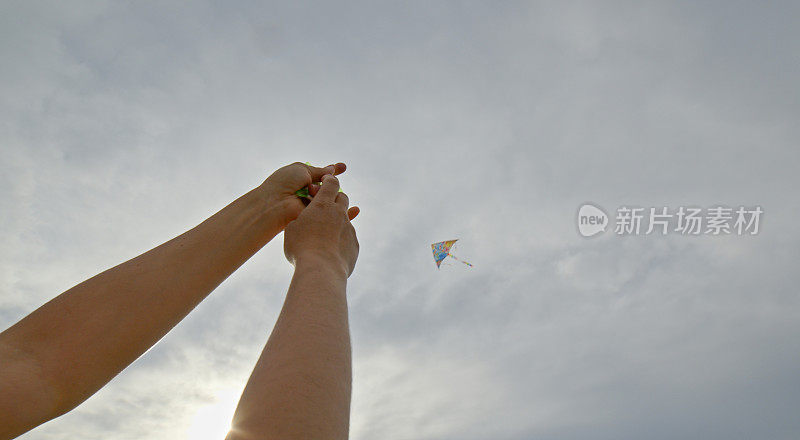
{"type": "Point", "coordinates": [63, 352]}
{"type": "Point", "coordinates": [300, 386]}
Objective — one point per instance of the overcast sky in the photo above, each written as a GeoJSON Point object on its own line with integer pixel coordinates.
{"type": "Point", "coordinates": [124, 124]}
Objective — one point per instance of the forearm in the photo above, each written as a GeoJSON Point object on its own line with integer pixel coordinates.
{"type": "Point", "coordinates": [87, 335]}
{"type": "Point", "coordinates": [300, 387]}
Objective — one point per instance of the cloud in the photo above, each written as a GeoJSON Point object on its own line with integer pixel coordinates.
{"type": "Point", "coordinates": [126, 124]}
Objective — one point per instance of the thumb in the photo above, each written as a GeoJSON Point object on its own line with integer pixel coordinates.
{"type": "Point", "coordinates": [317, 173]}
{"type": "Point", "coordinates": [328, 190]}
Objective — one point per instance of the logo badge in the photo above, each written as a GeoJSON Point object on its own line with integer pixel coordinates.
{"type": "Point", "coordinates": [592, 220]}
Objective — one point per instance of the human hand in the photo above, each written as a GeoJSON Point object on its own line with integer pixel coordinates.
{"type": "Point", "coordinates": [279, 189]}
{"type": "Point", "coordinates": [322, 232]}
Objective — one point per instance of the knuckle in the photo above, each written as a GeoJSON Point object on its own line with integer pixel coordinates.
{"type": "Point", "coordinates": [325, 204]}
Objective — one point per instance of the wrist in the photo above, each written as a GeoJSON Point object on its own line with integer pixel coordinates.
{"type": "Point", "coordinates": [265, 212]}
{"type": "Point", "coordinates": [314, 261]}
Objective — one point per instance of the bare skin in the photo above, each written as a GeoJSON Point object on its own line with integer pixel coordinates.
{"type": "Point", "coordinates": [300, 386]}
{"type": "Point", "coordinates": [63, 352]}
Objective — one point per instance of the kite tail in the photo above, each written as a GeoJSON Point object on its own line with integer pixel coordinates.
{"type": "Point", "coordinates": [454, 257]}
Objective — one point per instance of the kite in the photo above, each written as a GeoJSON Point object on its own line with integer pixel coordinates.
{"type": "Point", "coordinates": [441, 250]}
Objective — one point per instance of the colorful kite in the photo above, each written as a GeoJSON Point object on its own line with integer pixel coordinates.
{"type": "Point", "coordinates": [441, 250]}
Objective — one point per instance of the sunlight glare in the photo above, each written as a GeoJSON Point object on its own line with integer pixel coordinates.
{"type": "Point", "coordinates": [213, 421]}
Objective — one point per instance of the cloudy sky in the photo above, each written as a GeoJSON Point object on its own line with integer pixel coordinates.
{"type": "Point", "coordinates": [124, 124]}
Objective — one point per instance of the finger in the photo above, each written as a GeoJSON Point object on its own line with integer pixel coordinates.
{"type": "Point", "coordinates": [343, 200]}
{"type": "Point", "coordinates": [313, 189]}
{"type": "Point", "coordinates": [317, 173]}
{"type": "Point", "coordinates": [339, 168]}
{"type": "Point", "coordinates": [329, 189]}
{"type": "Point", "coordinates": [352, 212]}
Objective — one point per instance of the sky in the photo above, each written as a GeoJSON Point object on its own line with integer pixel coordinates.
{"type": "Point", "coordinates": [124, 124]}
